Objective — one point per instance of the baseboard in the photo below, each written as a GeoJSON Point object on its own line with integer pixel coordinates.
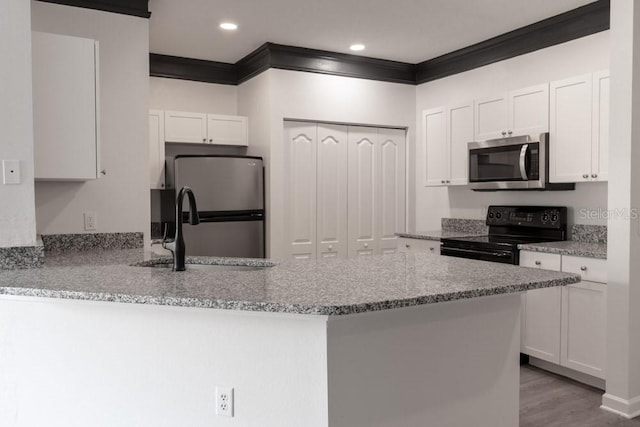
{"type": "Point", "coordinates": [569, 373]}
{"type": "Point", "coordinates": [623, 407]}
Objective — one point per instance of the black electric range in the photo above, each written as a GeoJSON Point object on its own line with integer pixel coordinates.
{"type": "Point", "coordinates": [510, 226]}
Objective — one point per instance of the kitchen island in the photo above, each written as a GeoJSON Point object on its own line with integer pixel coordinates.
{"type": "Point", "coordinates": [401, 340]}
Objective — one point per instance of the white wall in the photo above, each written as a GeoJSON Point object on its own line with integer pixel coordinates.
{"type": "Point", "coordinates": [17, 209]}
{"type": "Point", "coordinates": [623, 284]}
{"type": "Point", "coordinates": [81, 363]}
{"type": "Point", "coordinates": [579, 56]}
{"type": "Point", "coordinates": [318, 97]}
{"type": "Point", "coordinates": [121, 198]}
{"type": "Point", "coordinates": [185, 95]}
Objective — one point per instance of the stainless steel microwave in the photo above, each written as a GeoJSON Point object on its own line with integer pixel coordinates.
{"type": "Point", "coordinates": [513, 163]}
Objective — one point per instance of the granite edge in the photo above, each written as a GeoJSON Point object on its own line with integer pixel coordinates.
{"type": "Point", "coordinates": [422, 236]}
{"type": "Point", "coordinates": [327, 310]}
{"type": "Point", "coordinates": [563, 251]}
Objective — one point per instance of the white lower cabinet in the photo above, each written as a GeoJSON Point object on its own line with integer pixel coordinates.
{"type": "Point", "coordinates": [566, 325]}
{"type": "Point", "coordinates": [408, 245]}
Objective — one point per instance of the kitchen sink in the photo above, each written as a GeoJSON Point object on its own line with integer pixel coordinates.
{"type": "Point", "coordinates": [212, 265]}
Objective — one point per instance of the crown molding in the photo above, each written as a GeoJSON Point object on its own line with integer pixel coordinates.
{"type": "Point", "coordinates": [576, 23]}
{"type": "Point", "coordinates": [175, 67]}
{"type": "Point", "coordinates": [138, 8]}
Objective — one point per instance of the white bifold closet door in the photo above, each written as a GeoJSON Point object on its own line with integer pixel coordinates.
{"type": "Point", "coordinates": [346, 189]}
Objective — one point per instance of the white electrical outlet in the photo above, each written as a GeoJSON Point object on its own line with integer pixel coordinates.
{"type": "Point", "coordinates": [224, 401]}
{"type": "Point", "coordinates": [90, 221]}
{"type": "Point", "coordinates": [11, 172]}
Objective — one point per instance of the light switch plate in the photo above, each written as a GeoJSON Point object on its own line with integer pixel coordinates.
{"type": "Point", "coordinates": [11, 172]}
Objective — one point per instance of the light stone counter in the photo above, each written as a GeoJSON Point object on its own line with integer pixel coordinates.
{"type": "Point", "coordinates": [323, 287]}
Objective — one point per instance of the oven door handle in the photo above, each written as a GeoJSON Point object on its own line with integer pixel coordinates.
{"type": "Point", "coordinates": [523, 157]}
{"type": "Point", "coordinates": [502, 254]}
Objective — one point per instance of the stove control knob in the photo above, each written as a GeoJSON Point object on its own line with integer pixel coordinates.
{"type": "Point", "coordinates": [491, 215]}
{"type": "Point", "coordinates": [554, 217]}
{"type": "Point", "coordinates": [498, 215]}
{"type": "Point", "coordinates": [545, 217]}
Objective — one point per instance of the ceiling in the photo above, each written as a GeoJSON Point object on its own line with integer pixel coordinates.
{"type": "Point", "coordinates": [401, 30]}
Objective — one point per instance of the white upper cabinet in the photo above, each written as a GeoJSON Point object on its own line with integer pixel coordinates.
{"type": "Point", "coordinates": [332, 191]}
{"type": "Point", "coordinates": [519, 112]}
{"type": "Point", "coordinates": [529, 110]}
{"type": "Point", "coordinates": [392, 180]}
{"type": "Point", "coordinates": [181, 126]}
{"type": "Point", "coordinates": [434, 123]}
{"type": "Point", "coordinates": [156, 150]}
{"type": "Point", "coordinates": [492, 119]}
{"type": "Point", "coordinates": [460, 133]}
{"type": "Point", "coordinates": [571, 130]}
{"type": "Point", "coordinates": [447, 131]}
{"type": "Point", "coordinates": [201, 128]}
{"type": "Point", "coordinates": [227, 130]}
{"type": "Point", "coordinates": [65, 107]}
{"type": "Point", "coordinates": [600, 139]}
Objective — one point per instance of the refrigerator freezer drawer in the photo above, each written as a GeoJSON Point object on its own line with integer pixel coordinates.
{"type": "Point", "coordinates": [243, 239]}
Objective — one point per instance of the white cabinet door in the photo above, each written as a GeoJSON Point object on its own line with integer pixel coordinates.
{"type": "Point", "coordinates": [227, 130]}
{"type": "Point", "coordinates": [187, 127]}
{"type": "Point", "coordinates": [529, 110]}
{"type": "Point", "coordinates": [300, 141]}
{"type": "Point", "coordinates": [541, 312]}
{"type": "Point", "coordinates": [408, 245]}
{"type": "Point", "coordinates": [156, 149]}
{"type": "Point", "coordinates": [492, 119]}
{"type": "Point", "coordinates": [460, 133]}
{"type": "Point", "coordinates": [362, 221]}
{"type": "Point", "coordinates": [541, 334]}
{"type": "Point", "coordinates": [332, 191]}
{"type": "Point", "coordinates": [600, 142]}
{"type": "Point", "coordinates": [65, 113]}
{"type": "Point", "coordinates": [570, 130]}
{"type": "Point", "coordinates": [435, 147]}
{"type": "Point", "coordinates": [391, 186]}
{"type": "Point", "coordinates": [583, 328]}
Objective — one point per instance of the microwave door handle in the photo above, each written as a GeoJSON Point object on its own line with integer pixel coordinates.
{"type": "Point", "coordinates": [523, 167]}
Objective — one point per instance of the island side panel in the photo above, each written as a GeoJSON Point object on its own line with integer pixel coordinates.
{"type": "Point", "coordinates": [82, 363]}
{"type": "Point", "coordinates": [447, 365]}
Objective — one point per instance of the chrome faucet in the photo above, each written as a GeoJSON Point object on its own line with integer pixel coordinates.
{"type": "Point", "coordinates": [176, 246]}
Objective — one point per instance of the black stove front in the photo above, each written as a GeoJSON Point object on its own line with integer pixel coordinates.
{"type": "Point", "coordinates": [510, 226]}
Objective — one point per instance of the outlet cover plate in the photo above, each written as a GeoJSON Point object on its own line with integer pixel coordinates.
{"type": "Point", "coordinates": [224, 401]}
{"type": "Point", "coordinates": [11, 172]}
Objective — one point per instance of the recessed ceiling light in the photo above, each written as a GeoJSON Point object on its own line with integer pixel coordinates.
{"type": "Point", "coordinates": [356, 47]}
{"type": "Point", "coordinates": [228, 26]}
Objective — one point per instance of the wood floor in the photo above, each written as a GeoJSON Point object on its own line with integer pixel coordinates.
{"type": "Point", "coordinates": [548, 400]}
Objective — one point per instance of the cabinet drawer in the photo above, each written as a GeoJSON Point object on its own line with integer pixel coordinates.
{"type": "Point", "coordinates": [540, 260]}
{"type": "Point", "coordinates": [590, 269]}
{"type": "Point", "coordinates": [407, 245]}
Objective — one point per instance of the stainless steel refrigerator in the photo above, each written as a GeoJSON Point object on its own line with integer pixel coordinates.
{"type": "Point", "coordinates": [229, 193]}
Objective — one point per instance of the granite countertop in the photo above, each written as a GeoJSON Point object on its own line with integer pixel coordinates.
{"type": "Point", "coordinates": [569, 247]}
{"type": "Point", "coordinates": [437, 234]}
{"type": "Point", "coordinates": [323, 287]}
